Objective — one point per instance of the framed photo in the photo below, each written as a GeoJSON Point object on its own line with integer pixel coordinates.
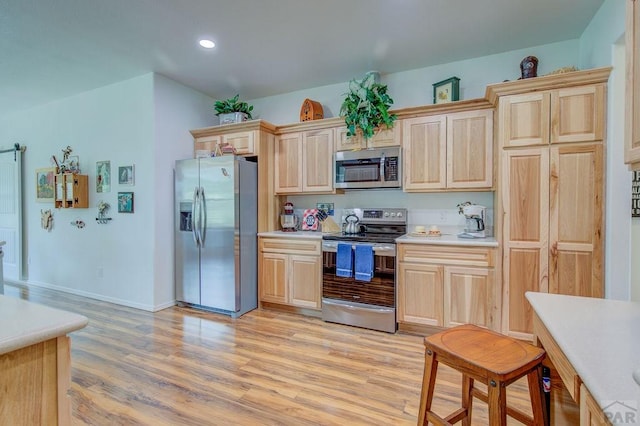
{"type": "Point", "coordinates": [45, 185]}
{"type": "Point", "coordinates": [125, 175]}
{"type": "Point", "coordinates": [446, 90]}
{"type": "Point", "coordinates": [103, 176]}
{"type": "Point", "coordinates": [125, 202]}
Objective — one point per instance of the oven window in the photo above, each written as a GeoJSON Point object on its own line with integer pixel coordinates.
{"type": "Point", "coordinates": [379, 291]}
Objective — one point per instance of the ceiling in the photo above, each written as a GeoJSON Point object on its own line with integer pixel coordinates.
{"type": "Point", "coordinates": [55, 49]}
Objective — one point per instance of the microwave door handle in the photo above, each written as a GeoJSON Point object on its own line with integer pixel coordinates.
{"type": "Point", "coordinates": [382, 161]}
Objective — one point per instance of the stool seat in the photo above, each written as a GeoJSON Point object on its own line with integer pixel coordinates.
{"type": "Point", "coordinates": [490, 358]}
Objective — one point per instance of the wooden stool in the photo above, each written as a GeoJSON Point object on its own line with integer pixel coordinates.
{"type": "Point", "coordinates": [490, 358]}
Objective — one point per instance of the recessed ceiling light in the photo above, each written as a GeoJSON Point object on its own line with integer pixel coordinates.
{"type": "Point", "coordinates": [207, 44]}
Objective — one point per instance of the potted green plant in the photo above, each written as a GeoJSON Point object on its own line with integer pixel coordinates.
{"type": "Point", "coordinates": [366, 107]}
{"type": "Point", "coordinates": [232, 110]}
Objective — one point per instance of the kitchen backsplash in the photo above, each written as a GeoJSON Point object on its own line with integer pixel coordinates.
{"type": "Point", "coordinates": [427, 209]}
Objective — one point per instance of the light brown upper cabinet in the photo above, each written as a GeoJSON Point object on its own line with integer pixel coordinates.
{"type": "Point", "coordinates": [632, 110]}
{"type": "Point", "coordinates": [382, 138]}
{"type": "Point", "coordinates": [304, 162]}
{"type": "Point", "coordinates": [448, 152]}
{"type": "Point", "coordinates": [71, 191]}
{"type": "Point", "coordinates": [243, 142]}
{"type": "Point", "coordinates": [573, 114]}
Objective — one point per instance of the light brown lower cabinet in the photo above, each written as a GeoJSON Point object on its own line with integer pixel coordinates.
{"type": "Point", "coordinates": [34, 381]}
{"type": "Point", "coordinates": [590, 412]}
{"type": "Point", "coordinates": [445, 286]}
{"type": "Point", "coordinates": [290, 272]}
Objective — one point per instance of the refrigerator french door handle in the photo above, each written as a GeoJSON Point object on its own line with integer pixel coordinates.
{"type": "Point", "coordinates": [203, 217]}
{"type": "Point", "coordinates": [194, 216]}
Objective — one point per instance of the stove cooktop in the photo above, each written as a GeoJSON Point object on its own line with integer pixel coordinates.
{"type": "Point", "coordinates": [365, 237]}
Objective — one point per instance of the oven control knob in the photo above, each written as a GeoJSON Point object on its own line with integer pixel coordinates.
{"type": "Point", "coordinates": [399, 214]}
{"type": "Point", "coordinates": [386, 214]}
{"type": "Point", "coordinates": [393, 214]}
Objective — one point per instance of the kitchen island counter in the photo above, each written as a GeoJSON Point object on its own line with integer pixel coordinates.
{"type": "Point", "coordinates": [598, 337]}
{"type": "Point", "coordinates": [26, 323]}
{"type": "Point", "coordinates": [35, 361]}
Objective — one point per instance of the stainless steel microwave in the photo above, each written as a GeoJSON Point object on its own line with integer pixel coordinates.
{"type": "Point", "coordinates": [369, 168]}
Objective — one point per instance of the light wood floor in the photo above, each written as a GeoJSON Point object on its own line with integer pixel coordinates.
{"type": "Point", "coordinates": [185, 367]}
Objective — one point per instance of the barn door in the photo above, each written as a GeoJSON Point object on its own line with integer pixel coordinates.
{"type": "Point", "coordinates": [11, 212]}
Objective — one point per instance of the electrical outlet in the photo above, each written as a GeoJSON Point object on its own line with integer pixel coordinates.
{"type": "Point", "coordinates": [443, 216]}
{"type": "Point", "coordinates": [100, 272]}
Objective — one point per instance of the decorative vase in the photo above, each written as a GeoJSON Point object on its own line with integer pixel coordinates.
{"type": "Point", "coordinates": [232, 117]}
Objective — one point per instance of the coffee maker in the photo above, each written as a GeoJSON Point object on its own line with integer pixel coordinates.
{"type": "Point", "coordinates": [288, 220]}
{"type": "Point", "coordinates": [475, 217]}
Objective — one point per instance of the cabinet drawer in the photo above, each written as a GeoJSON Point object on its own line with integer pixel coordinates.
{"type": "Point", "coordinates": [447, 255]}
{"type": "Point", "coordinates": [290, 245]}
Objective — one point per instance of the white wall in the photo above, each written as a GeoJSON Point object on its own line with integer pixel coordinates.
{"type": "Point", "coordinates": [112, 262]}
{"type": "Point", "coordinates": [177, 110]}
{"type": "Point", "coordinates": [602, 44]}
{"type": "Point", "coordinates": [414, 88]}
{"type": "Point", "coordinates": [143, 121]}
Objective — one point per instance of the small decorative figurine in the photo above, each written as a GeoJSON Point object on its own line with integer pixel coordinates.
{"type": "Point", "coordinates": [529, 67]}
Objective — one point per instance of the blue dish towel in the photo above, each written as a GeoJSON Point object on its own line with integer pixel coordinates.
{"type": "Point", "coordinates": [344, 260]}
{"type": "Point", "coordinates": [364, 262]}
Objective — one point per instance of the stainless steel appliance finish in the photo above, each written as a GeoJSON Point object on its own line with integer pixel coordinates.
{"type": "Point", "coordinates": [475, 221]}
{"type": "Point", "coordinates": [369, 168]}
{"type": "Point", "coordinates": [216, 234]}
{"type": "Point", "coordinates": [365, 304]}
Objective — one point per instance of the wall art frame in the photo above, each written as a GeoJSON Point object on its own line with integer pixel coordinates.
{"type": "Point", "coordinates": [103, 176]}
{"type": "Point", "coordinates": [446, 91]}
{"type": "Point", "coordinates": [126, 175]}
{"type": "Point", "coordinates": [125, 202]}
{"type": "Point", "coordinates": [45, 185]}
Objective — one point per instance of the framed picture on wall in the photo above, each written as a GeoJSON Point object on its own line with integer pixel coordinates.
{"type": "Point", "coordinates": [45, 183]}
{"type": "Point", "coordinates": [125, 175]}
{"type": "Point", "coordinates": [125, 202]}
{"type": "Point", "coordinates": [103, 176]}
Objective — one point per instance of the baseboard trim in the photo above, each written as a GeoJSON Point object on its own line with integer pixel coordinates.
{"type": "Point", "coordinates": [90, 295]}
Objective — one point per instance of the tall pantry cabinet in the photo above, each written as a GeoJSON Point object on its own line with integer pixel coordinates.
{"type": "Point", "coordinates": [550, 197]}
{"type": "Point", "coordinates": [632, 91]}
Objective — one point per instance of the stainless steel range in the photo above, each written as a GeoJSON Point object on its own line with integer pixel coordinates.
{"type": "Point", "coordinates": [369, 304]}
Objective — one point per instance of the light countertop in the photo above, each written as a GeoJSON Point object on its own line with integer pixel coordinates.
{"type": "Point", "coordinates": [445, 239]}
{"type": "Point", "coordinates": [599, 337]}
{"type": "Point", "coordinates": [24, 323]}
{"type": "Point", "coordinates": [296, 234]}
{"type": "Point", "coordinates": [448, 240]}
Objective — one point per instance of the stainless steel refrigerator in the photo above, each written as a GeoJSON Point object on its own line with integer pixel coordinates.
{"type": "Point", "coordinates": [216, 234]}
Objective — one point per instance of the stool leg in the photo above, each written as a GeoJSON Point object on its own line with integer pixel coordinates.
{"type": "Point", "coordinates": [467, 398]}
{"type": "Point", "coordinates": [497, 403]}
{"type": "Point", "coordinates": [428, 384]}
{"type": "Point", "coordinates": [538, 403]}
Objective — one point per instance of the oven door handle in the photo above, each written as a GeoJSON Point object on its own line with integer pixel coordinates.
{"type": "Point", "coordinates": [346, 305]}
